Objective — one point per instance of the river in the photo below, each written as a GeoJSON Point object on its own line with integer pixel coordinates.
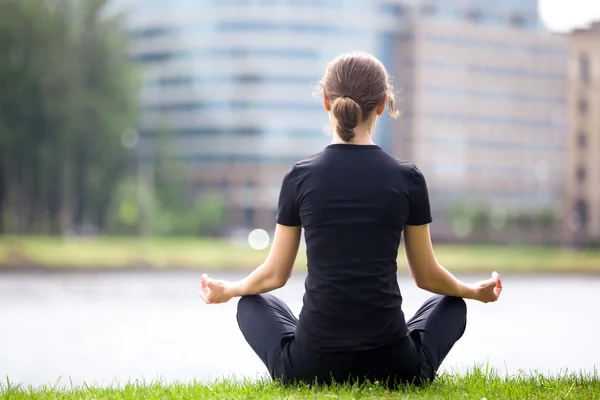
{"type": "Point", "coordinates": [109, 328]}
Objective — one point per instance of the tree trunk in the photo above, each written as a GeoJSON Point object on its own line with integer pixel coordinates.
{"type": "Point", "coordinates": [17, 202]}
{"type": "Point", "coordinates": [66, 213]}
{"type": "Point", "coordinates": [3, 172]}
{"type": "Point", "coordinates": [54, 202]}
{"type": "Point", "coordinates": [101, 216]}
{"type": "Point", "coordinates": [32, 174]}
{"type": "Point", "coordinates": [6, 211]}
{"type": "Point", "coordinates": [80, 186]}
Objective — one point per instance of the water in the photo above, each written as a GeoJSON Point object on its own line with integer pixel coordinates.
{"type": "Point", "coordinates": [116, 327]}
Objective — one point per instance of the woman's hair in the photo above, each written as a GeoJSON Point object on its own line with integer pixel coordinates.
{"type": "Point", "coordinates": [355, 84]}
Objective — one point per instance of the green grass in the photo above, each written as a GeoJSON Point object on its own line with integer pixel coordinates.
{"type": "Point", "coordinates": [207, 255]}
{"type": "Point", "coordinates": [476, 384]}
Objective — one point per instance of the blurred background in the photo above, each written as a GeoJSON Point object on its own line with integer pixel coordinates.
{"type": "Point", "coordinates": [154, 135]}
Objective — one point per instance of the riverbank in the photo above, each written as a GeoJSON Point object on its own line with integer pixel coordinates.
{"type": "Point", "coordinates": [475, 385]}
{"type": "Point", "coordinates": [60, 254]}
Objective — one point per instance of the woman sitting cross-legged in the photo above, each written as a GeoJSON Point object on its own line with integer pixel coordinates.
{"type": "Point", "coordinates": [354, 201]}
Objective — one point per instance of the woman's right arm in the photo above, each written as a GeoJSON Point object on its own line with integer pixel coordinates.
{"type": "Point", "coordinates": [431, 276]}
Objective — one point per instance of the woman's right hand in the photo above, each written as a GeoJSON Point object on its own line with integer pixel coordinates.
{"type": "Point", "coordinates": [215, 291]}
{"type": "Point", "coordinates": [489, 290]}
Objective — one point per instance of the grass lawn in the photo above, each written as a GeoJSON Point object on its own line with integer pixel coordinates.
{"type": "Point", "coordinates": [474, 385]}
{"type": "Point", "coordinates": [206, 255]}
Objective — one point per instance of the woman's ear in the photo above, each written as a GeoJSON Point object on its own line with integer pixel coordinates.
{"type": "Point", "coordinates": [381, 108]}
{"type": "Point", "coordinates": [326, 102]}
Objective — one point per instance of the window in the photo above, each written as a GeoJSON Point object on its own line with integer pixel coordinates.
{"type": "Point", "coordinates": [249, 211]}
{"type": "Point", "coordinates": [584, 68]}
{"type": "Point", "coordinates": [152, 32]}
{"type": "Point", "coordinates": [518, 20]}
{"type": "Point", "coordinates": [249, 215]}
{"type": "Point", "coordinates": [224, 185]}
{"type": "Point", "coordinates": [499, 45]}
{"type": "Point", "coordinates": [250, 131]}
{"type": "Point", "coordinates": [581, 210]}
{"type": "Point", "coordinates": [582, 140]}
{"type": "Point", "coordinates": [248, 78]}
{"type": "Point", "coordinates": [392, 9]}
{"type": "Point", "coordinates": [474, 15]}
{"type": "Point", "coordinates": [428, 10]}
{"type": "Point", "coordinates": [234, 52]}
{"type": "Point", "coordinates": [582, 107]}
{"type": "Point", "coordinates": [233, 105]}
{"type": "Point", "coordinates": [581, 173]}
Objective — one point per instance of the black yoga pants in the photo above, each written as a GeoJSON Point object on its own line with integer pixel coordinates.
{"type": "Point", "coordinates": [269, 326]}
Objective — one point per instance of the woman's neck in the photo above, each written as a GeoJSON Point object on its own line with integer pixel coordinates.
{"type": "Point", "coordinates": [362, 137]}
{"type": "Point", "coordinates": [362, 134]}
{"type": "Point", "coordinates": [356, 141]}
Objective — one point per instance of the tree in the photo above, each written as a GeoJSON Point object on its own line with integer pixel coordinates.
{"type": "Point", "coordinates": [69, 89]}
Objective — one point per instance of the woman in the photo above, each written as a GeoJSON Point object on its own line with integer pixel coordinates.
{"type": "Point", "coordinates": [353, 201]}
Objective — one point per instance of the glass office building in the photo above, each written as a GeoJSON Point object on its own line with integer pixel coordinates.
{"type": "Point", "coordinates": [508, 13]}
{"type": "Point", "coordinates": [217, 71]}
{"type": "Point", "coordinates": [234, 80]}
{"type": "Point", "coordinates": [234, 83]}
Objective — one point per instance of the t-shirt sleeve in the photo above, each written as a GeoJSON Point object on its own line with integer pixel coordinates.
{"type": "Point", "coordinates": [420, 209]}
{"type": "Point", "coordinates": [287, 209]}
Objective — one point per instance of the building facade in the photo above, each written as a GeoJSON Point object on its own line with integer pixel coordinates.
{"type": "Point", "coordinates": [483, 116]}
{"type": "Point", "coordinates": [233, 82]}
{"type": "Point", "coordinates": [522, 14]}
{"type": "Point", "coordinates": [582, 172]}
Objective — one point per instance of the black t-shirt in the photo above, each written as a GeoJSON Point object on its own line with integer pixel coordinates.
{"type": "Point", "coordinates": [353, 202]}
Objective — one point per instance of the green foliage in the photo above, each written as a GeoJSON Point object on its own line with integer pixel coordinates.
{"type": "Point", "coordinates": [470, 218]}
{"type": "Point", "coordinates": [210, 213]}
{"type": "Point", "coordinates": [536, 219]}
{"type": "Point", "coordinates": [481, 217]}
{"type": "Point", "coordinates": [203, 218]}
{"type": "Point", "coordinates": [466, 218]}
{"type": "Point", "coordinates": [160, 201]}
{"type": "Point", "coordinates": [477, 384]}
{"type": "Point", "coordinates": [69, 88]}
{"type": "Point", "coordinates": [168, 214]}
{"type": "Point", "coordinates": [124, 212]}
{"type": "Point", "coordinates": [546, 218]}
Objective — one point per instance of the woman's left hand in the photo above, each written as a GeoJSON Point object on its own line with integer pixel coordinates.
{"type": "Point", "coordinates": [214, 291]}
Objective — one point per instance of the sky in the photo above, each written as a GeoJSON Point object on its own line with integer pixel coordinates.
{"type": "Point", "coordinates": [564, 15]}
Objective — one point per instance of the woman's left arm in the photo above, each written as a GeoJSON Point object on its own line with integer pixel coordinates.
{"type": "Point", "coordinates": [270, 275]}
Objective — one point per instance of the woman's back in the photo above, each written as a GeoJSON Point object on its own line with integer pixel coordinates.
{"type": "Point", "coordinates": [353, 202]}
